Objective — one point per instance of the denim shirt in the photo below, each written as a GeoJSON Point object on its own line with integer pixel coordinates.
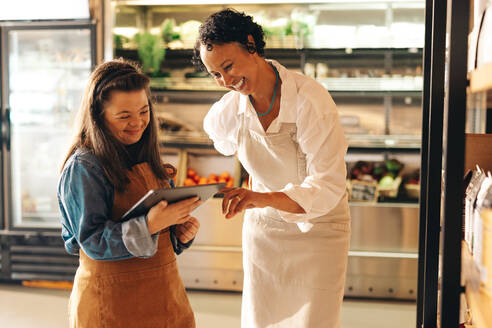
{"type": "Point", "coordinates": [85, 197]}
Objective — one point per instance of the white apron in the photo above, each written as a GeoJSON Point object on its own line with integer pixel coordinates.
{"type": "Point", "coordinates": [292, 279]}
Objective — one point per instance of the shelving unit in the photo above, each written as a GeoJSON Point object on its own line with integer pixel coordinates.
{"type": "Point", "coordinates": [459, 151]}
{"type": "Point", "coordinates": [478, 150]}
{"type": "Point", "coordinates": [297, 58]}
{"type": "Point", "coordinates": [382, 88]}
{"type": "Point", "coordinates": [205, 91]}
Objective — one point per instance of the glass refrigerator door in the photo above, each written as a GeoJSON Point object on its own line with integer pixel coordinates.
{"type": "Point", "coordinates": [47, 69]}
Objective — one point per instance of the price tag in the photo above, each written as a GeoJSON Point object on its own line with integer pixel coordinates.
{"type": "Point", "coordinates": [363, 191]}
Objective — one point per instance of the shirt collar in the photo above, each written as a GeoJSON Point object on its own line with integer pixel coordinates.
{"type": "Point", "coordinates": [287, 102]}
{"type": "Point", "coordinates": [244, 105]}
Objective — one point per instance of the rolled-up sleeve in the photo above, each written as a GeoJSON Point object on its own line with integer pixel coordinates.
{"type": "Point", "coordinates": [321, 139]}
{"type": "Point", "coordinates": [85, 197]}
{"type": "Point", "coordinates": [137, 238]}
{"type": "Point", "coordinates": [222, 124]}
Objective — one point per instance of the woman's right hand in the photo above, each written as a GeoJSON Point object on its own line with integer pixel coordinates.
{"type": "Point", "coordinates": [163, 215]}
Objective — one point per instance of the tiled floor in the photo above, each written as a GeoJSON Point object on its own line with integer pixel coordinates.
{"type": "Point", "coordinates": [29, 307]}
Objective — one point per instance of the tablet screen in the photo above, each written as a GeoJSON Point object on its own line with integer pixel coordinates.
{"type": "Point", "coordinates": [171, 195]}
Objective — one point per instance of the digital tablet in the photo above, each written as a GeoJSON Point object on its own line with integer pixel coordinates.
{"type": "Point", "coordinates": [171, 195]}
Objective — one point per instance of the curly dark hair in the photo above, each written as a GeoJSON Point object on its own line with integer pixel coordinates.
{"type": "Point", "coordinates": [227, 26]}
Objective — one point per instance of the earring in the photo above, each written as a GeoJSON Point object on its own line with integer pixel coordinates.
{"type": "Point", "coordinates": [250, 46]}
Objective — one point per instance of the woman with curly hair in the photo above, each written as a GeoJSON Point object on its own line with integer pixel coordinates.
{"type": "Point", "coordinates": [127, 275]}
{"type": "Point", "coordinates": [284, 128]}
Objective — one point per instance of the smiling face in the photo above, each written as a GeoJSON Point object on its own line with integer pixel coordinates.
{"type": "Point", "coordinates": [232, 66]}
{"type": "Point", "coordinates": [127, 115]}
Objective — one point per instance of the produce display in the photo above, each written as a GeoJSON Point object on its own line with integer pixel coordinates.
{"type": "Point", "coordinates": [384, 173]}
{"type": "Point", "coordinates": [369, 180]}
{"type": "Point", "coordinates": [411, 183]}
{"type": "Point", "coordinates": [192, 178]}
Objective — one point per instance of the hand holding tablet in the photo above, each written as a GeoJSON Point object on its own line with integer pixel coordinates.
{"type": "Point", "coordinates": [171, 195]}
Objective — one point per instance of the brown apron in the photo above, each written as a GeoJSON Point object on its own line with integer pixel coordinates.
{"type": "Point", "coordinates": [135, 292]}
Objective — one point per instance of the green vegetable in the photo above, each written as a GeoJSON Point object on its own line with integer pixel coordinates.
{"type": "Point", "coordinates": [379, 170]}
{"type": "Point", "coordinates": [117, 41]}
{"type": "Point", "coordinates": [151, 52]}
{"type": "Point", "coordinates": [393, 166]}
{"type": "Point", "coordinates": [386, 181]}
{"type": "Point", "coordinates": [297, 28]}
{"type": "Point", "coordinates": [169, 30]}
{"type": "Point", "coordinates": [274, 31]}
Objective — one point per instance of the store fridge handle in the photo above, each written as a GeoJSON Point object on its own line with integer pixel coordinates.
{"type": "Point", "coordinates": [5, 132]}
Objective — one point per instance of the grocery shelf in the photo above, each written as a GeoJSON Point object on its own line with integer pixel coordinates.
{"type": "Point", "coordinates": [405, 83]}
{"type": "Point", "coordinates": [368, 83]}
{"type": "Point", "coordinates": [479, 301]}
{"type": "Point", "coordinates": [185, 84]}
{"type": "Point", "coordinates": [417, 51]}
{"type": "Point", "coordinates": [194, 96]}
{"type": "Point", "coordinates": [177, 53]}
{"type": "Point", "coordinates": [238, 249]}
{"type": "Point", "coordinates": [383, 204]}
{"type": "Point", "coordinates": [356, 142]}
{"type": "Point", "coordinates": [180, 52]}
{"type": "Point", "coordinates": [481, 78]}
{"type": "Point", "coordinates": [332, 84]}
{"type": "Point", "coordinates": [43, 215]}
{"type": "Point", "coordinates": [375, 93]}
{"type": "Point", "coordinates": [180, 140]}
{"type": "Point", "coordinates": [187, 96]}
{"type": "Point", "coordinates": [38, 225]}
{"type": "Point", "coordinates": [397, 255]}
{"type": "Point", "coordinates": [382, 142]}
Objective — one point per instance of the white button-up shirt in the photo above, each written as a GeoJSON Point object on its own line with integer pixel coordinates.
{"type": "Point", "coordinates": [319, 134]}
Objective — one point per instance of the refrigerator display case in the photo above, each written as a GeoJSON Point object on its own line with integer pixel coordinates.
{"type": "Point", "coordinates": [215, 259]}
{"type": "Point", "coordinates": [44, 67]}
{"type": "Point", "coordinates": [367, 55]}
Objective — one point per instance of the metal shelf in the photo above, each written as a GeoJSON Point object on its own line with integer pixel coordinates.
{"type": "Point", "coordinates": [186, 141]}
{"type": "Point", "coordinates": [356, 142]}
{"type": "Point", "coordinates": [382, 85]}
{"type": "Point", "coordinates": [377, 84]}
{"type": "Point", "coordinates": [384, 142]}
{"type": "Point", "coordinates": [195, 96]}
{"type": "Point", "coordinates": [238, 249]}
{"type": "Point", "coordinates": [294, 56]}
{"type": "Point", "coordinates": [411, 51]}
{"type": "Point", "coordinates": [383, 204]}
{"type": "Point", "coordinates": [391, 255]}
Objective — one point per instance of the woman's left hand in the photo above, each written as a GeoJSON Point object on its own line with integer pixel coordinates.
{"type": "Point", "coordinates": [188, 230]}
{"type": "Point", "coordinates": [238, 199]}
